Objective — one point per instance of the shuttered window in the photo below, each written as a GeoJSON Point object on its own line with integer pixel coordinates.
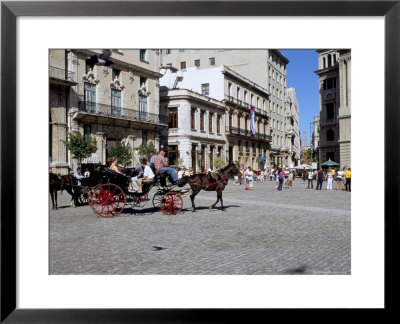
{"type": "Point", "coordinates": [115, 103]}
{"type": "Point", "coordinates": [90, 97]}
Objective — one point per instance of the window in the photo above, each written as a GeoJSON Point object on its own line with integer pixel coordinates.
{"type": "Point", "coordinates": [143, 55]}
{"type": "Point", "coordinates": [324, 63]}
{"type": "Point", "coordinates": [238, 122]}
{"type": "Point", "coordinates": [144, 138]}
{"type": "Point", "coordinates": [143, 81]}
{"type": "Point", "coordinates": [329, 60]}
{"type": "Point", "coordinates": [90, 97]}
{"type": "Point", "coordinates": [115, 73]}
{"type": "Point", "coordinates": [115, 102]}
{"type": "Point", "coordinates": [183, 65]}
{"type": "Point", "coordinates": [230, 120]}
{"type": "Point", "coordinates": [193, 119]}
{"type": "Point", "coordinates": [229, 89]}
{"type": "Point", "coordinates": [329, 83]}
{"type": "Point", "coordinates": [205, 89]}
{"type": "Point", "coordinates": [330, 111]}
{"type": "Point", "coordinates": [202, 120]}
{"type": "Point", "coordinates": [237, 93]}
{"type": "Point", "coordinates": [172, 117]}
{"type": "Point", "coordinates": [212, 61]}
{"type": "Point", "coordinates": [210, 123]}
{"type": "Point", "coordinates": [168, 51]}
{"type": "Point", "coordinates": [88, 67]}
{"type": "Point", "coordinates": [143, 108]}
{"type": "Point", "coordinates": [218, 124]}
{"type": "Point", "coordinates": [330, 135]}
{"type": "Point", "coordinates": [197, 63]}
{"type": "Point", "coordinates": [245, 96]}
{"type": "Point", "coordinates": [87, 131]}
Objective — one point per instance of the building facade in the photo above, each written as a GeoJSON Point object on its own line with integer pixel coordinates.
{"type": "Point", "coordinates": [109, 104]}
{"type": "Point", "coordinates": [264, 67]}
{"type": "Point", "coordinates": [218, 100]}
{"type": "Point", "coordinates": [335, 106]}
{"type": "Point", "coordinates": [292, 130]}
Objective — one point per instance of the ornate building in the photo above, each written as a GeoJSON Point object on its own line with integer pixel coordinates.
{"type": "Point", "coordinates": [335, 106]}
{"type": "Point", "coordinates": [115, 103]}
{"type": "Point", "coordinates": [212, 109]}
{"type": "Point", "coordinates": [264, 67]}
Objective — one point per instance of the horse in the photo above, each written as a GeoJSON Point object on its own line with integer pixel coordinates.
{"type": "Point", "coordinates": [67, 182]}
{"type": "Point", "coordinates": [212, 182]}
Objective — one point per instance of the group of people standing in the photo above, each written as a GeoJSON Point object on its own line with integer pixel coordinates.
{"type": "Point", "coordinates": [342, 178]}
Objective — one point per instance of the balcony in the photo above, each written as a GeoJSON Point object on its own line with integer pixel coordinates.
{"type": "Point", "coordinates": [62, 76]}
{"type": "Point", "coordinates": [122, 113]}
{"type": "Point", "coordinates": [245, 105]}
{"type": "Point", "coordinates": [247, 133]}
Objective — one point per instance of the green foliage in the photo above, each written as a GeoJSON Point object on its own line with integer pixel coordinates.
{"type": "Point", "coordinates": [219, 162]}
{"type": "Point", "coordinates": [78, 146]}
{"type": "Point", "coordinates": [122, 152]}
{"type": "Point", "coordinates": [308, 157]}
{"type": "Point", "coordinates": [146, 148]}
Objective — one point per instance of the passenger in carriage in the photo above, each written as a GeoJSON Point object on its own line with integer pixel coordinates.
{"type": "Point", "coordinates": [147, 176]}
{"type": "Point", "coordinates": [114, 167]}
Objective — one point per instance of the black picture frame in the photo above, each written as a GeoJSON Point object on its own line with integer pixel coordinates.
{"type": "Point", "coordinates": [10, 10]}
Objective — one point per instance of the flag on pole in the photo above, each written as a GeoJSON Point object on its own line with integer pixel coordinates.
{"type": "Point", "coordinates": [253, 119]}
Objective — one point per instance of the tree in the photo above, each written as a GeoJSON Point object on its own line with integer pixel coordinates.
{"type": "Point", "coordinates": [146, 148]}
{"type": "Point", "coordinates": [122, 152]}
{"type": "Point", "coordinates": [308, 157]}
{"type": "Point", "coordinates": [220, 162]}
{"type": "Point", "coordinates": [78, 146]}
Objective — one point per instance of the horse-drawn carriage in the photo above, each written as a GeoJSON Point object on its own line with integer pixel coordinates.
{"type": "Point", "coordinates": [107, 191]}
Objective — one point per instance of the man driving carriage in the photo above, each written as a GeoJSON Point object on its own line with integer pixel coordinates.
{"type": "Point", "coordinates": [163, 168]}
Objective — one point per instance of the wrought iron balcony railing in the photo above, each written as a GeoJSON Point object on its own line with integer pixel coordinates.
{"type": "Point", "coordinates": [245, 105]}
{"type": "Point", "coordinates": [244, 132]}
{"type": "Point", "coordinates": [122, 113]}
{"type": "Point", "coordinates": [61, 74]}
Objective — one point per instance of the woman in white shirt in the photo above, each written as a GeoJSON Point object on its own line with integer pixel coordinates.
{"type": "Point", "coordinates": [329, 177]}
{"type": "Point", "coordinates": [339, 179]}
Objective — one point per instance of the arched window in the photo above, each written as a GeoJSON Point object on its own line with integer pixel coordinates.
{"type": "Point", "coordinates": [324, 62]}
{"type": "Point", "coordinates": [329, 60]}
{"type": "Point", "coordinates": [330, 135]}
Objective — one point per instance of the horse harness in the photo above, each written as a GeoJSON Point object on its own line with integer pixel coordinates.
{"type": "Point", "coordinates": [218, 182]}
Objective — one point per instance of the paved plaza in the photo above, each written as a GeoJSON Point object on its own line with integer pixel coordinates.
{"type": "Point", "coordinates": [262, 231]}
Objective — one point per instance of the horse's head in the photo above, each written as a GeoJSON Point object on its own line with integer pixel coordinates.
{"type": "Point", "coordinates": [231, 169]}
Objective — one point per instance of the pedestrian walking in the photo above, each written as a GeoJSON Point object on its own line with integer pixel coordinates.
{"type": "Point", "coordinates": [339, 180]}
{"type": "Point", "coordinates": [329, 178]}
{"type": "Point", "coordinates": [291, 180]}
{"type": "Point", "coordinates": [304, 175]}
{"type": "Point", "coordinates": [241, 176]}
{"type": "Point", "coordinates": [281, 177]}
{"type": "Point", "coordinates": [348, 179]}
{"type": "Point", "coordinates": [277, 178]}
{"type": "Point", "coordinates": [310, 178]}
{"type": "Point", "coordinates": [249, 179]}
{"type": "Point", "coordinates": [320, 179]}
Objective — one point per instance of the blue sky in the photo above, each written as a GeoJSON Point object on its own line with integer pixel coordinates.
{"type": "Point", "coordinates": [301, 76]}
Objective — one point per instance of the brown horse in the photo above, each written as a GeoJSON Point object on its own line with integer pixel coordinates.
{"type": "Point", "coordinates": [67, 182]}
{"type": "Point", "coordinates": [215, 182]}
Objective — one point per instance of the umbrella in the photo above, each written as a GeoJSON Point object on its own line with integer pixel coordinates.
{"type": "Point", "coordinates": [329, 163]}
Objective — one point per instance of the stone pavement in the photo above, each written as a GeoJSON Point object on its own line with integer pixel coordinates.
{"type": "Point", "coordinates": [262, 231]}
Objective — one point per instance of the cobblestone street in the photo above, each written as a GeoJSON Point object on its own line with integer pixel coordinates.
{"type": "Point", "coordinates": [263, 231]}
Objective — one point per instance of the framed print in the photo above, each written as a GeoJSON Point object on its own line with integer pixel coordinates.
{"type": "Point", "coordinates": [94, 17]}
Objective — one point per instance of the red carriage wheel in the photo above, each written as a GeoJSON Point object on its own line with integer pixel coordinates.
{"type": "Point", "coordinates": [171, 203]}
{"type": "Point", "coordinates": [107, 200]}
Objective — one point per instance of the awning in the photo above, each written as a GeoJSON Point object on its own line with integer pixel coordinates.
{"type": "Point", "coordinates": [92, 159]}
